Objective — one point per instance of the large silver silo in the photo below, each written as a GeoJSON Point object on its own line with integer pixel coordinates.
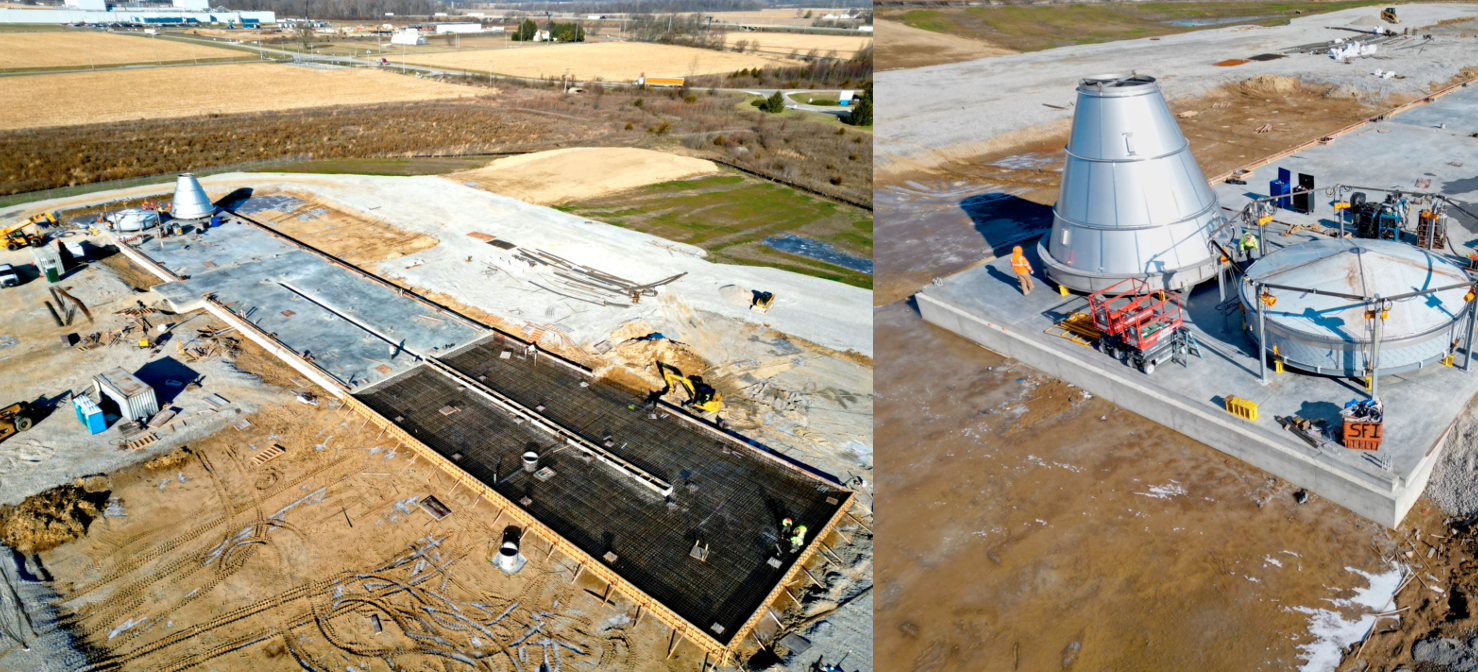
{"type": "Point", "coordinates": [190, 201]}
{"type": "Point", "coordinates": [1133, 201]}
{"type": "Point", "coordinates": [1329, 334]}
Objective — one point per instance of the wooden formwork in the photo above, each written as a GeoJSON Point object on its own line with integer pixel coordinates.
{"type": "Point", "coordinates": [682, 629]}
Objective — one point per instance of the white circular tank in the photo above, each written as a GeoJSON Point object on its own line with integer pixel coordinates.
{"type": "Point", "coordinates": [134, 220]}
{"type": "Point", "coordinates": [1328, 334]}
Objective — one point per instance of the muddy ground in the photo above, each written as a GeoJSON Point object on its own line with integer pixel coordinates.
{"type": "Point", "coordinates": [1028, 526]}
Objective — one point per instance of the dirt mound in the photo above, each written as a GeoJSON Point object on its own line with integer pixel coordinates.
{"type": "Point", "coordinates": [632, 363]}
{"type": "Point", "coordinates": [1271, 85]}
{"type": "Point", "coordinates": [1343, 91]}
{"type": "Point", "coordinates": [168, 460]}
{"type": "Point", "coordinates": [736, 295]}
{"type": "Point", "coordinates": [580, 173]}
{"type": "Point", "coordinates": [52, 518]}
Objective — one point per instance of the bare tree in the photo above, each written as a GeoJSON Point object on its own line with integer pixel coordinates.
{"type": "Point", "coordinates": [304, 36]}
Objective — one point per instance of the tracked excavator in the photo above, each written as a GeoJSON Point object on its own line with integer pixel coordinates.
{"type": "Point", "coordinates": [701, 395]}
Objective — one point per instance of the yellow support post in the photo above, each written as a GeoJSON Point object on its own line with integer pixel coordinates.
{"type": "Point", "coordinates": [1277, 363]}
{"type": "Point", "coordinates": [1062, 289]}
{"type": "Point", "coordinates": [1447, 361]}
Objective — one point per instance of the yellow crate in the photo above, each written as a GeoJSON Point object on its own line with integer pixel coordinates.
{"type": "Point", "coordinates": [1242, 408]}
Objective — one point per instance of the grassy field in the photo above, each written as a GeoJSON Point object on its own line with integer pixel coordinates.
{"type": "Point", "coordinates": [815, 97]}
{"type": "Point", "coordinates": [433, 165]}
{"type": "Point", "coordinates": [73, 98]}
{"type": "Point", "coordinates": [730, 216]}
{"type": "Point", "coordinates": [81, 49]}
{"type": "Point", "coordinates": [611, 61]}
{"type": "Point", "coordinates": [818, 117]}
{"type": "Point", "coordinates": [785, 43]}
{"type": "Point", "coordinates": [1037, 27]}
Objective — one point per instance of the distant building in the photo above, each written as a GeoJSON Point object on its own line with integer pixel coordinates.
{"type": "Point", "coordinates": [442, 28]}
{"type": "Point", "coordinates": [409, 38]}
{"type": "Point", "coordinates": [541, 36]}
{"type": "Point", "coordinates": [96, 11]}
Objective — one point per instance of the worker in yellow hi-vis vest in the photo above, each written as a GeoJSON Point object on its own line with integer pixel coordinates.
{"type": "Point", "coordinates": [1023, 270]}
{"type": "Point", "coordinates": [798, 540]}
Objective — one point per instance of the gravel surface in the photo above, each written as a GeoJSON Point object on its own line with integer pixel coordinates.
{"type": "Point", "coordinates": [46, 646]}
{"type": "Point", "coordinates": [1454, 482]}
{"type": "Point", "coordinates": [1451, 655]}
{"type": "Point", "coordinates": [933, 115]}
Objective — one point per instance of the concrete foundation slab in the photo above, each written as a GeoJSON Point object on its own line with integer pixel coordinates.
{"type": "Point", "coordinates": [298, 297]}
{"type": "Point", "coordinates": [984, 305]}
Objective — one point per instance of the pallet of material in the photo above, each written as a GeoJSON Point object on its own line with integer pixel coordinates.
{"type": "Point", "coordinates": [266, 454]}
{"type": "Point", "coordinates": [140, 442]}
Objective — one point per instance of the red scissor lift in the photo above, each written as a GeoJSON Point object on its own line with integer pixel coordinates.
{"type": "Point", "coordinates": [1140, 327]}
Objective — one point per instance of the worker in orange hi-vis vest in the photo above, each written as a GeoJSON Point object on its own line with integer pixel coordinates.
{"type": "Point", "coordinates": [1023, 270]}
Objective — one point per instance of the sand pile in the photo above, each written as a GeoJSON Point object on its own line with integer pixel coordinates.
{"type": "Point", "coordinates": [632, 362]}
{"type": "Point", "coordinates": [581, 173]}
{"type": "Point", "coordinates": [169, 460]}
{"type": "Point", "coordinates": [1343, 91]}
{"type": "Point", "coordinates": [54, 517]}
{"type": "Point", "coordinates": [1271, 85]}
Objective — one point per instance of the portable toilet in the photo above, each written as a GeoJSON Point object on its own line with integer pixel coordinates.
{"type": "Point", "coordinates": [49, 262]}
{"type": "Point", "coordinates": [89, 414]}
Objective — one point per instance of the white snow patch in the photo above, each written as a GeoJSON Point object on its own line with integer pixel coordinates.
{"type": "Point", "coordinates": [1333, 630]}
{"type": "Point", "coordinates": [1270, 560]}
{"type": "Point", "coordinates": [1167, 491]}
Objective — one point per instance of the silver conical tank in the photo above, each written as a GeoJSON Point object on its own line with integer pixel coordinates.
{"type": "Point", "coordinates": [189, 199]}
{"type": "Point", "coordinates": [1133, 203]}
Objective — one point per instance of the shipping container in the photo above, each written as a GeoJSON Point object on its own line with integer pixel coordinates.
{"type": "Point", "coordinates": [135, 399]}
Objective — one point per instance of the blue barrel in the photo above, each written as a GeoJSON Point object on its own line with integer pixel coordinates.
{"type": "Point", "coordinates": [215, 220]}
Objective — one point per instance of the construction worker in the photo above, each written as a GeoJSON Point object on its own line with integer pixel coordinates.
{"type": "Point", "coordinates": [1023, 270]}
{"type": "Point", "coordinates": [798, 540]}
{"type": "Point", "coordinates": [1248, 244]}
{"type": "Point", "coordinates": [786, 524]}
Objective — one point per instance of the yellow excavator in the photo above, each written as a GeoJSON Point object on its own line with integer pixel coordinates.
{"type": "Point", "coordinates": [701, 395]}
{"type": "Point", "coordinates": [15, 418]}
{"type": "Point", "coordinates": [15, 238]}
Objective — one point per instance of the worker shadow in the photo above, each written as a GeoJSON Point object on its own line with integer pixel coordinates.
{"type": "Point", "coordinates": [1007, 220]}
{"type": "Point", "coordinates": [168, 377]}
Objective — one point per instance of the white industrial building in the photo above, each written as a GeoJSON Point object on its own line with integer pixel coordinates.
{"type": "Point", "coordinates": [184, 12]}
{"type": "Point", "coordinates": [409, 37]}
{"type": "Point", "coordinates": [458, 28]}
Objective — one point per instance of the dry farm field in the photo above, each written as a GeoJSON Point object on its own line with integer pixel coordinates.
{"type": "Point", "coordinates": [574, 174]}
{"type": "Point", "coordinates": [75, 98]}
{"type": "Point", "coordinates": [785, 43]}
{"type": "Point", "coordinates": [85, 49]}
{"type": "Point", "coordinates": [611, 61]}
